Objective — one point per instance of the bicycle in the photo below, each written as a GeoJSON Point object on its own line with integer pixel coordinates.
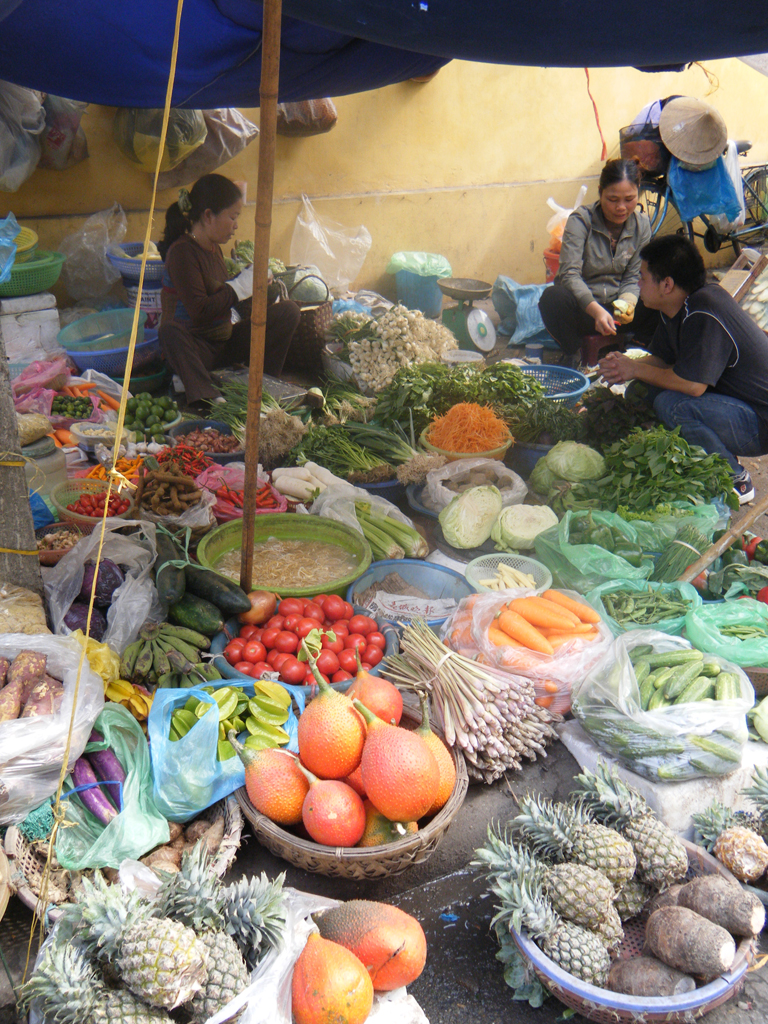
{"type": "Point", "coordinates": [643, 143]}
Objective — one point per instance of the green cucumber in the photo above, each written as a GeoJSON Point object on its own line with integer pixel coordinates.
{"type": "Point", "coordinates": [642, 668]}
{"type": "Point", "coordinates": [169, 579]}
{"type": "Point", "coordinates": [710, 668]}
{"type": "Point", "coordinates": [660, 679]}
{"type": "Point", "coordinates": [658, 700]}
{"type": "Point", "coordinates": [727, 686]}
{"type": "Point", "coordinates": [714, 746]}
{"type": "Point", "coordinates": [680, 676]}
{"type": "Point", "coordinates": [196, 613]}
{"type": "Point", "coordinates": [224, 593]}
{"type": "Point", "coordinates": [700, 688]}
{"type": "Point", "coordinates": [641, 651]}
{"type": "Point", "coordinates": [669, 658]}
{"type": "Point", "coordinates": [647, 690]}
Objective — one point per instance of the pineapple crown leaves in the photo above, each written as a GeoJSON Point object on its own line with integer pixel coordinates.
{"type": "Point", "coordinates": [107, 914]}
{"type": "Point", "coordinates": [711, 822]}
{"type": "Point", "coordinates": [255, 914]}
{"type": "Point", "coordinates": [758, 791]}
{"type": "Point", "coordinates": [500, 857]}
{"type": "Point", "coordinates": [549, 828]}
{"type": "Point", "coordinates": [524, 905]}
{"type": "Point", "coordinates": [65, 985]}
{"type": "Point", "coordinates": [194, 895]}
{"type": "Point", "coordinates": [606, 796]}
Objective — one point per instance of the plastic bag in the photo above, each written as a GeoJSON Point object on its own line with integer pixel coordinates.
{"type": "Point", "coordinates": [133, 602]}
{"type": "Point", "coordinates": [87, 273]}
{"type": "Point", "coordinates": [306, 117]}
{"type": "Point", "coordinates": [677, 591]}
{"type": "Point", "coordinates": [656, 535]}
{"type": "Point", "coordinates": [21, 121]}
{"type": "Point", "coordinates": [583, 567]}
{"type": "Point", "coordinates": [703, 628]}
{"type": "Point", "coordinates": [41, 514]}
{"type": "Point", "coordinates": [32, 749]}
{"type": "Point", "coordinates": [709, 191]}
{"type": "Point", "coordinates": [9, 229]}
{"type": "Point", "coordinates": [48, 373]}
{"type": "Point", "coordinates": [337, 250]}
{"type": "Point", "coordinates": [63, 141]}
{"type": "Point", "coordinates": [425, 264]}
{"type": "Point", "coordinates": [136, 132]}
{"type": "Point", "coordinates": [37, 401]}
{"type": "Point", "coordinates": [21, 610]}
{"type": "Point", "coordinates": [228, 134]}
{"type": "Point", "coordinates": [466, 632]}
{"type": "Point", "coordinates": [518, 308]}
{"type": "Point", "coordinates": [660, 745]}
{"type": "Point", "coordinates": [338, 502]}
{"type": "Point", "coordinates": [196, 517]}
{"type": "Point", "coordinates": [556, 223]}
{"type": "Point", "coordinates": [732, 165]}
{"type": "Point", "coordinates": [187, 776]}
{"type": "Point", "coordinates": [139, 827]}
{"type": "Point", "coordinates": [512, 487]}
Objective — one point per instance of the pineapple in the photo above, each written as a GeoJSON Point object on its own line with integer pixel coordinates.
{"type": "Point", "coordinates": [632, 899]}
{"type": "Point", "coordinates": [67, 989]}
{"type": "Point", "coordinates": [573, 948]}
{"type": "Point", "coordinates": [161, 961]}
{"type": "Point", "coordinates": [661, 857]}
{"type": "Point", "coordinates": [566, 833]}
{"type": "Point", "coordinates": [193, 897]}
{"type": "Point", "coordinates": [715, 819]}
{"type": "Point", "coordinates": [743, 852]}
{"type": "Point", "coordinates": [577, 892]}
{"type": "Point", "coordinates": [254, 915]}
{"type": "Point", "coordinates": [758, 792]}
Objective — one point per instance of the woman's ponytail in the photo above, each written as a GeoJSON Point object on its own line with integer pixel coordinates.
{"type": "Point", "coordinates": [176, 225]}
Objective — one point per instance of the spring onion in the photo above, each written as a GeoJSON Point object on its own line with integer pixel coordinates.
{"type": "Point", "coordinates": [409, 539]}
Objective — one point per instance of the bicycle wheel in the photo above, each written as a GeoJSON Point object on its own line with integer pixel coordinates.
{"type": "Point", "coordinates": [756, 196]}
{"type": "Point", "coordinates": [658, 201]}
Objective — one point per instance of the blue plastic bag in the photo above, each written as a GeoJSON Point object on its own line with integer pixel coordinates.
{"type": "Point", "coordinates": [698, 192]}
{"type": "Point", "coordinates": [518, 308]}
{"type": "Point", "coordinates": [9, 229]}
{"type": "Point", "coordinates": [41, 514]}
{"type": "Point", "coordinates": [187, 777]}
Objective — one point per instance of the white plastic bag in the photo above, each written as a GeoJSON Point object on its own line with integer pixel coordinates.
{"type": "Point", "coordinates": [199, 516]}
{"type": "Point", "coordinates": [32, 749]}
{"type": "Point", "coordinates": [556, 223]}
{"type": "Point", "coordinates": [22, 120]}
{"type": "Point", "coordinates": [228, 134]}
{"type": "Point", "coordinates": [338, 502]}
{"type": "Point", "coordinates": [87, 273]}
{"type": "Point", "coordinates": [63, 142]}
{"type": "Point", "coordinates": [719, 220]}
{"type": "Point", "coordinates": [133, 602]}
{"type": "Point", "coordinates": [337, 250]}
{"type": "Point", "coordinates": [512, 487]}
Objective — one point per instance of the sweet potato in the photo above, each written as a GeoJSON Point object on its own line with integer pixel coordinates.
{"type": "Point", "coordinates": [10, 701]}
{"type": "Point", "coordinates": [689, 942]}
{"type": "Point", "coordinates": [175, 829]}
{"type": "Point", "coordinates": [725, 903]}
{"type": "Point", "coordinates": [4, 666]}
{"type": "Point", "coordinates": [196, 829]}
{"type": "Point", "coordinates": [29, 667]}
{"type": "Point", "coordinates": [43, 698]}
{"type": "Point", "coordinates": [164, 858]}
{"type": "Point", "coordinates": [668, 898]}
{"type": "Point", "coordinates": [647, 976]}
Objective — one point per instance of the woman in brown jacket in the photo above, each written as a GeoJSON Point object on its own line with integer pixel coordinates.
{"type": "Point", "coordinates": [197, 333]}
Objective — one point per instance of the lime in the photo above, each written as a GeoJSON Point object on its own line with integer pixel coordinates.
{"type": "Point", "coordinates": [169, 415]}
{"type": "Point", "coordinates": [130, 405]}
{"type": "Point", "coordinates": [158, 437]}
{"type": "Point", "coordinates": [151, 420]}
{"type": "Point", "coordinates": [158, 410]}
{"type": "Point", "coordinates": [142, 411]}
{"type": "Point", "coordinates": [164, 402]}
{"type": "Point", "coordinates": [145, 396]}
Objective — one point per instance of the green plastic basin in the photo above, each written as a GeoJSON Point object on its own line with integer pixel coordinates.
{"type": "Point", "coordinates": [289, 526]}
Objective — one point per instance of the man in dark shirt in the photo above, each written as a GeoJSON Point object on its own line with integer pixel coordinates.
{"type": "Point", "coordinates": [708, 368]}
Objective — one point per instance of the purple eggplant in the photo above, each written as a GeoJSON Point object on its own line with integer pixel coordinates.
{"type": "Point", "coordinates": [108, 769]}
{"type": "Point", "coordinates": [92, 798]}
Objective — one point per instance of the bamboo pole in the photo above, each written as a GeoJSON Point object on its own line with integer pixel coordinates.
{"type": "Point", "coordinates": [270, 76]}
{"type": "Point", "coordinates": [739, 527]}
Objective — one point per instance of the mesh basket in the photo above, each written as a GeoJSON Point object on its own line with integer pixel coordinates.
{"type": "Point", "coordinates": [559, 383]}
{"type": "Point", "coordinates": [109, 330]}
{"type": "Point", "coordinates": [112, 361]}
{"type": "Point", "coordinates": [35, 275]}
{"type": "Point", "coordinates": [130, 268]}
{"type": "Point", "coordinates": [67, 493]}
{"type": "Point", "coordinates": [483, 568]}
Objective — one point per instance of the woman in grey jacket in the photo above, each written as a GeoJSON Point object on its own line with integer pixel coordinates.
{"type": "Point", "coordinates": [596, 290]}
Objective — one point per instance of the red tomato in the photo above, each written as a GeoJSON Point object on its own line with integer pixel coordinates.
{"type": "Point", "coordinates": [293, 670]}
{"type": "Point", "coordinates": [750, 547]}
{"type": "Point", "coordinates": [254, 651]}
{"type": "Point", "coordinates": [337, 645]}
{"type": "Point", "coordinates": [292, 621]}
{"type": "Point", "coordinates": [279, 661]}
{"type": "Point", "coordinates": [371, 655]}
{"type": "Point", "coordinates": [341, 676]}
{"type": "Point", "coordinates": [355, 642]}
{"type": "Point", "coordinates": [233, 653]}
{"type": "Point", "coordinates": [309, 679]}
{"type": "Point", "coordinates": [305, 626]}
{"type": "Point", "coordinates": [362, 624]}
{"type": "Point", "coordinates": [328, 663]}
{"type": "Point", "coordinates": [274, 653]}
{"type": "Point", "coordinates": [340, 626]}
{"type": "Point", "coordinates": [291, 606]}
{"type": "Point", "coordinates": [314, 611]}
{"type": "Point", "coordinates": [260, 668]}
{"type": "Point", "coordinates": [348, 661]}
{"type": "Point", "coordinates": [246, 633]}
{"type": "Point", "coordinates": [257, 633]}
{"type": "Point", "coordinates": [365, 666]}
{"type": "Point", "coordinates": [269, 636]}
{"type": "Point", "coordinates": [762, 595]}
{"type": "Point", "coordinates": [276, 622]}
{"type": "Point", "coordinates": [334, 607]}
{"type": "Point", "coordinates": [349, 611]}
{"type": "Point", "coordinates": [377, 639]}
{"type": "Point", "coordinates": [245, 668]}
{"type": "Point", "coordinates": [286, 642]}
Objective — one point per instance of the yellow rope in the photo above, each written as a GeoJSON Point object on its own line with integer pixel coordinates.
{"type": "Point", "coordinates": [58, 813]}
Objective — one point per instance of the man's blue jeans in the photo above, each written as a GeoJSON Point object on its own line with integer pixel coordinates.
{"type": "Point", "coordinates": [718, 423]}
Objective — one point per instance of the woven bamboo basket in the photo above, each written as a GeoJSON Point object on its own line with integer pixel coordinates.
{"type": "Point", "coordinates": [27, 863]}
{"type": "Point", "coordinates": [5, 883]}
{"type": "Point", "coordinates": [368, 862]}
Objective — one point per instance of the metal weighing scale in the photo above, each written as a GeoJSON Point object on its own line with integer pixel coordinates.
{"type": "Point", "coordinates": [471, 327]}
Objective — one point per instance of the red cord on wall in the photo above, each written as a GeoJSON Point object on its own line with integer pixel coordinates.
{"type": "Point", "coordinates": [604, 151]}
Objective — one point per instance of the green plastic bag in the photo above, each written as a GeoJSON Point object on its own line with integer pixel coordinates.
{"type": "Point", "coordinates": [654, 536]}
{"type": "Point", "coordinates": [583, 567]}
{"type": "Point", "coordinates": [425, 264]}
{"type": "Point", "coordinates": [677, 590]}
{"type": "Point", "coordinates": [139, 827]}
{"type": "Point", "coordinates": [703, 628]}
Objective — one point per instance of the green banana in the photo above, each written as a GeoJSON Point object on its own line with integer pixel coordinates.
{"type": "Point", "coordinates": [160, 664]}
{"type": "Point", "coordinates": [149, 631]}
{"type": "Point", "coordinates": [208, 671]}
{"type": "Point", "coordinates": [190, 636]}
{"type": "Point", "coordinates": [143, 665]}
{"type": "Point", "coordinates": [178, 662]}
{"type": "Point", "coordinates": [167, 681]}
{"type": "Point", "coordinates": [190, 653]}
{"type": "Point", "coordinates": [128, 660]}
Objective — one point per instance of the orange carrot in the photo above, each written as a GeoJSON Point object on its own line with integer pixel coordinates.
{"type": "Point", "coordinates": [66, 391]}
{"type": "Point", "coordinates": [500, 639]}
{"type": "Point", "coordinates": [550, 686]}
{"type": "Point", "coordinates": [565, 638]}
{"type": "Point", "coordinates": [108, 400]}
{"type": "Point", "coordinates": [65, 436]}
{"type": "Point", "coordinates": [55, 440]}
{"type": "Point", "coordinates": [468, 427]}
{"type": "Point", "coordinates": [84, 386]}
{"type": "Point", "coordinates": [540, 613]}
{"type": "Point", "coordinates": [514, 625]}
{"type": "Point", "coordinates": [583, 611]}
{"type": "Point", "coordinates": [582, 628]}
{"type": "Point", "coordinates": [545, 702]}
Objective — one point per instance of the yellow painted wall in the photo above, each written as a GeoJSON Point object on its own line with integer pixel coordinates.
{"type": "Point", "coordinates": [461, 165]}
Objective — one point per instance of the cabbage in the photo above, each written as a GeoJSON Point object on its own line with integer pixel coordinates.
{"type": "Point", "coordinates": [575, 462]}
{"type": "Point", "coordinates": [468, 518]}
{"type": "Point", "coordinates": [542, 479]}
{"type": "Point", "coordinates": [518, 526]}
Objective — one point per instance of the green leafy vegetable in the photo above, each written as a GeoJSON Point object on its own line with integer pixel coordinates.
{"type": "Point", "coordinates": [467, 519]}
{"type": "Point", "coordinates": [518, 526]}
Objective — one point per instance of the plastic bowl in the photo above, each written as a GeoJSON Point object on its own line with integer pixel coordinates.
{"type": "Point", "coordinates": [391, 490]}
{"type": "Point", "coordinates": [496, 453]}
{"type": "Point", "coordinates": [522, 458]}
{"type": "Point", "coordinates": [106, 331]}
{"type": "Point", "coordinates": [436, 581]}
{"type": "Point", "coordinates": [287, 526]}
{"type": "Point", "coordinates": [484, 567]}
{"type": "Point", "coordinates": [177, 431]}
